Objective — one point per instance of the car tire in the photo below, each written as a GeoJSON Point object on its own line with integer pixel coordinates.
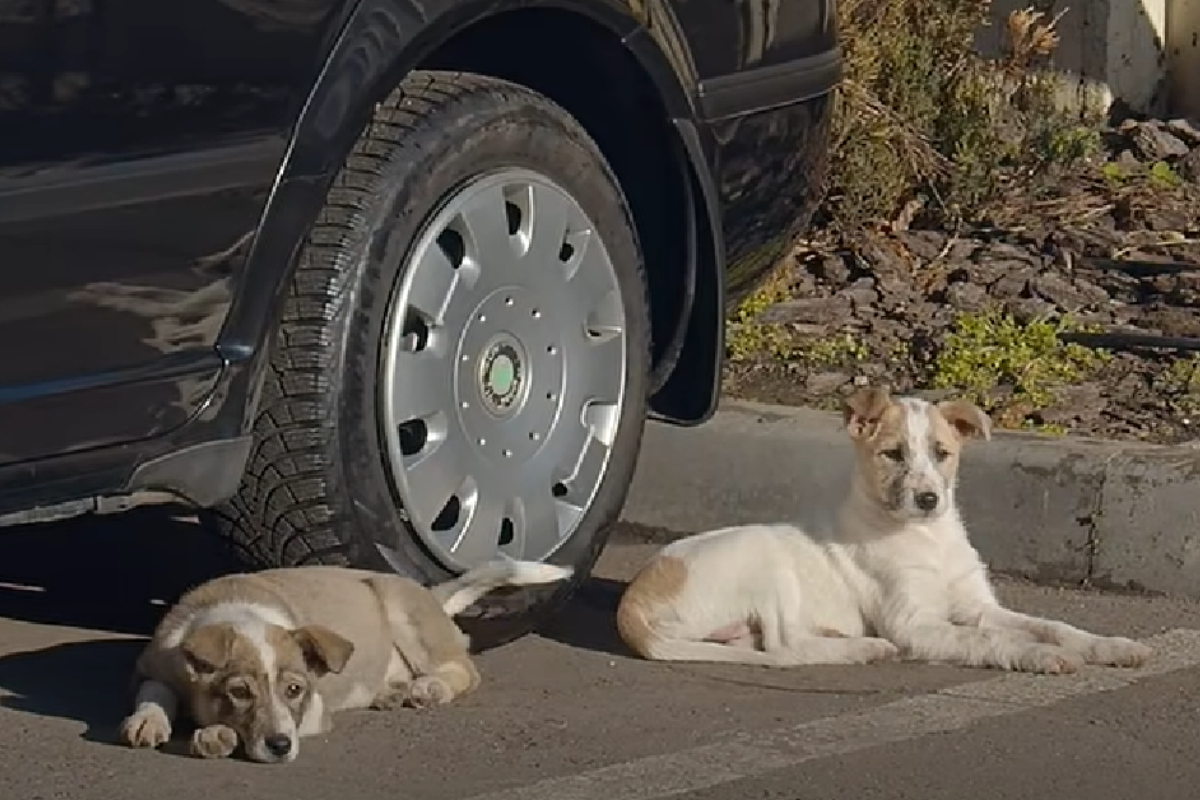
{"type": "Point", "coordinates": [329, 480]}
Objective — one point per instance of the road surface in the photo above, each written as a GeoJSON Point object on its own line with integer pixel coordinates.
{"type": "Point", "coordinates": [566, 715]}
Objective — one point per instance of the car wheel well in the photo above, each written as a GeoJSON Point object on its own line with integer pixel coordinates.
{"type": "Point", "coordinates": [577, 63]}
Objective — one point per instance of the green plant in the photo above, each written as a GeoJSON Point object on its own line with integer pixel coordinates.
{"type": "Point", "coordinates": [1113, 174]}
{"type": "Point", "coordinates": [832, 351]}
{"type": "Point", "coordinates": [1057, 146]}
{"type": "Point", "coordinates": [1183, 375]}
{"type": "Point", "coordinates": [1180, 385]}
{"type": "Point", "coordinates": [990, 349]}
{"type": "Point", "coordinates": [747, 337]}
{"type": "Point", "coordinates": [1163, 176]}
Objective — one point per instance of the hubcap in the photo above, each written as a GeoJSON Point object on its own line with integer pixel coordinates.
{"type": "Point", "coordinates": [503, 374]}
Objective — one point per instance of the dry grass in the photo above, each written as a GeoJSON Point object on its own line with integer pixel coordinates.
{"type": "Point", "coordinates": [927, 127]}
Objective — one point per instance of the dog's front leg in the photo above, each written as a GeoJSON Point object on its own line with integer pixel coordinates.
{"type": "Point", "coordinates": [393, 696]}
{"type": "Point", "coordinates": [214, 741]}
{"type": "Point", "coordinates": [924, 631]}
{"type": "Point", "coordinates": [154, 708]}
{"type": "Point", "coordinates": [1111, 651]}
{"type": "Point", "coordinates": [973, 599]}
{"type": "Point", "coordinates": [317, 718]}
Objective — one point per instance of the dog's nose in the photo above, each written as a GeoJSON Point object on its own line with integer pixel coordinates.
{"type": "Point", "coordinates": [926, 501]}
{"type": "Point", "coordinates": [279, 745]}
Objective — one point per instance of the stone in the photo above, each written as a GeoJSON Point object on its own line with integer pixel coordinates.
{"type": "Point", "coordinates": [1155, 144]}
{"type": "Point", "coordinates": [833, 270]}
{"type": "Point", "coordinates": [1128, 161]}
{"type": "Point", "coordinates": [882, 256]}
{"type": "Point", "coordinates": [1120, 286]}
{"type": "Point", "coordinates": [1103, 318]}
{"type": "Point", "coordinates": [1067, 295]}
{"type": "Point", "coordinates": [876, 372]}
{"type": "Point", "coordinates": [1180, 289]}
{"type": "Point", "coordinates": [925, 245]}
{"type": "Point", "coordinates": [1093, 294]}
{"type": "Point", "coordinates": [832, 312]}
{"type": "Point", "coordinates": [1129, 386]}
{"type": "Point", "coordinates": [1003, 251]}
{"type": "Point", "coordinates": [1011, 284]}
{"type": "Point", "coordinates": [1189, 166]}
{"type": "Point", "coordinates": [826, 382]}
{"type": "Point", "coordinates": [986, 273]}
{"type": "Point", "coordinates": [1029, 309]}
{"type": "Point", "coordinates": [861, 293]}
{"type": "Point", "coordinates": [1081, 402]}
{"type": "Point", "coordinates": [1172, 321]}
{"type": "Point", "coordinates": [966, 296]}
{"type": "Point", "coordinates": [962, 250]}
{"type": "Point", "coordinates": [1185, 130]}
{"type": "Point", "coordinates": [920, 312]}
{"type": "Point", "coordinates": [1167, 218]}
{"type": "Point", "coordinates": [882, 328]}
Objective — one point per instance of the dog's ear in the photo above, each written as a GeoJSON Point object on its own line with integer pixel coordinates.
{"type": "Point", "coordinates": [862, 411]}
{"type": "Point", "coordinates": [967, 419]}
{"type": "Point", "coordinates": [324, 651]}
{"type": "Point", "coordinates": [207, 648]}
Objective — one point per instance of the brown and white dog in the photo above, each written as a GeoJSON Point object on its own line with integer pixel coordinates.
{"type": "Point", "coordinates": [896, 575]}
{"type": "Point", "coordinates": [262, 659]}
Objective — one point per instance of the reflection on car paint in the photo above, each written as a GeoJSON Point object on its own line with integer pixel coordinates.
{"type": "Point", "coordinates": [772, 166]}
{"type": "Point", "coordinates": [116, 303]}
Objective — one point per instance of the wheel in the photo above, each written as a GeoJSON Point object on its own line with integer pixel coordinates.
{"type": "Point", "coordinates": [461, 366]}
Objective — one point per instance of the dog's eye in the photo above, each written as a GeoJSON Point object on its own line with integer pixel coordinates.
{"type": "Point", "coordinates": [941, 453]}
{"type": "Point", "coordinates": [240, 691]}
{"type": "Point", "coordinates": [293, 690]}
{"type": "Point", "coordinates": [895, 454]}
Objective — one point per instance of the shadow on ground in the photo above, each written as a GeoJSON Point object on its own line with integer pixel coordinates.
{"type": "Point", "coordinates": [109, 575]}
{"type": "Point", "coordinates": [115, 577]}
{"type": "Point", "coordinates": [589, 620]}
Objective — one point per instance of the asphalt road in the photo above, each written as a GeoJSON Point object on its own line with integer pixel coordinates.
{"type": "Point", "coordinates": [566, 715]}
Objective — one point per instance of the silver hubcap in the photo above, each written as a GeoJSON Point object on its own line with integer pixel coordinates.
{"type": "Point", "coordinates": [503, 371]}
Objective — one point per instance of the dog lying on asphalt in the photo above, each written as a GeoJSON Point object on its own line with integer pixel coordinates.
{"type": "Point", "coordinates": [897, 576]}
{"type": "Point", "coordinates": [263, 659]}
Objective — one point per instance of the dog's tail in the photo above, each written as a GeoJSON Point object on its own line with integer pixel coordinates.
{"type": "Point", "coordinates": [457, 594]}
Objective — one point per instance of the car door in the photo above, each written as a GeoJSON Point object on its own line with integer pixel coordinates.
{"type": "Point", "coordinates": [138, 142]}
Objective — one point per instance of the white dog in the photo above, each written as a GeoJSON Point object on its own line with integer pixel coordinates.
{"type": "Point", "coordinates": [897, 576]}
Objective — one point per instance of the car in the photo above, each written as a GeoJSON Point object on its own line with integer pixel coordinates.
{"type": "Point", "coordinates": [392, 283]}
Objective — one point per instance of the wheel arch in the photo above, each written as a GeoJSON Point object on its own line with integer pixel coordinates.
{"type": "Point", "coordinates": [657, 156]}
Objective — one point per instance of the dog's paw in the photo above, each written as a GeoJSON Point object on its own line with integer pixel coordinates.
{"type": "Point", "coordinates": [1117, 651]}
{"type": "Point", "coordinates": [390, 699]}
{"type": "Point", "coordinates": [874, 650]}
{"type": "Point", "coordinates": [429, 690]}
{"type": "Point", "coordinates": [1048, 659]}
{"type": "Point", "coordinates": [214, 741]}
{"type": "Point", "coordinates": [147, 727]}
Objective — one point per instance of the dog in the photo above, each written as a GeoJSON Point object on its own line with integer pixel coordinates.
{"type": "Point", "coordinates": [894, 577]}
{"type": "Point", "coordinates": [263, 659]}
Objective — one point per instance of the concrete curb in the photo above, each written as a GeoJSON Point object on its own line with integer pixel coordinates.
{"type": "Point", "coordinates": [1112, 514]}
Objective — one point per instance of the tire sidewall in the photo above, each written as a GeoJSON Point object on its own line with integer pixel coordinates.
{"type": "Point", "coordinates": [497, 131]}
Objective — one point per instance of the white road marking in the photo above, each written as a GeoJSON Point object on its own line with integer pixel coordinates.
{"type": "Point", "coordinates": [950, 709]}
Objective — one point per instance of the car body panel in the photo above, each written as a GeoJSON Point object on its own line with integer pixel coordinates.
{"type": "Point", "coordinates": [170, 272]}
{"type": "Point", "coordinates": [140, 142]}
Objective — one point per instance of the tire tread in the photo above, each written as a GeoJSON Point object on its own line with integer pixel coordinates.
{"type": "Point", "coordinates": [283, 513]}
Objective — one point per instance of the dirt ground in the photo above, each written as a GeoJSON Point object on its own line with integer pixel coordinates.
{"type": "Point", "coordinates": [1109, 250]}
